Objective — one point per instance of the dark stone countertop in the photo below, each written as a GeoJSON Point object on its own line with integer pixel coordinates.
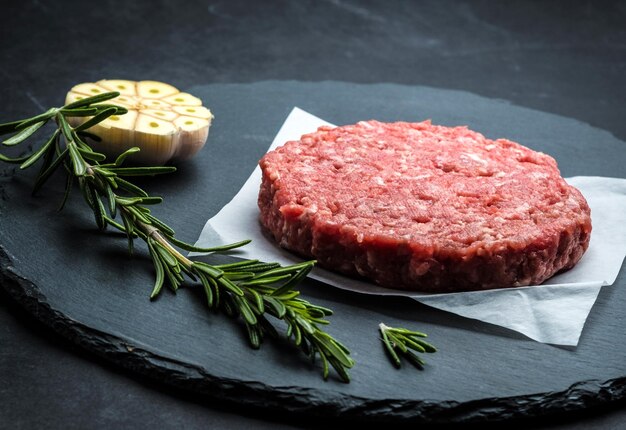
{"type": "Point", "coordinates": [562, 57]}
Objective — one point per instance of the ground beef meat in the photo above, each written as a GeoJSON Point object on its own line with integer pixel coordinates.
{"type": "Point", "coordinates": [422, 207]}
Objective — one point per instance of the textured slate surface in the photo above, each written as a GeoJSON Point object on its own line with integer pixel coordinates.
{"type": "Point", "coordinates": [82, 284]}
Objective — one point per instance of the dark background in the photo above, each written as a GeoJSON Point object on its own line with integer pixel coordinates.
{"type": "Point", "coordinates": [563, 57]}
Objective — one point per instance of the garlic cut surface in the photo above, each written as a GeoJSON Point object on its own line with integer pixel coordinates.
{"type": "Point", "coordinates": [163, 122]}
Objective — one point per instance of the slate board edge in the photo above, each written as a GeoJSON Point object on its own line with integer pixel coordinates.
{"type": "Point", "coordinates": [294, 400]}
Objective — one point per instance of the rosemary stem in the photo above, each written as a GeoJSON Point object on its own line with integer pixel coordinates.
{"type": "Point", "coordinates": [250, 289]}
{"type": "Point", "coordinates": [155, 233]}
{"type": "Point", "coordinates": [148, 229]}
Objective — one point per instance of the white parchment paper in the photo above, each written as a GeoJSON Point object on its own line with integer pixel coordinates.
{"type": "Point", "coordinates": [554, 312]}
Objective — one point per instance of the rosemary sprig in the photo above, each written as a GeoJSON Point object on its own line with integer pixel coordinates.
{"type": "Point", "coordinates": [250, 289]}
{"type": "Point", "coordinates": [402, 342]}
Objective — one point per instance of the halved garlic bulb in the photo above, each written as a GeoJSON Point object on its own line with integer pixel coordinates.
{"type": "Point", "coordinates": [166, 124]}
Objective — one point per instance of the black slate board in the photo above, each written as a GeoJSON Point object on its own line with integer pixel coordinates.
{"type": "Point", "coordinates": [82, 283]}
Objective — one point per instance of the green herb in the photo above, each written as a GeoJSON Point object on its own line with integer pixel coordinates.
{"type": "Point", "coordinates": [250, 289]}
{"type": "Point", "coordinates": [400, 342]}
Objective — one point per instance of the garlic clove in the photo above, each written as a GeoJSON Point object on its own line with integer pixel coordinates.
{"type": "Point", "coordinates": [183, 99]}
{"type": "Point", "coordinates": [154, 89]}
{"type": "Point", "coordinates": [126, 121]}
{"type": "Point", "coordinates": [195, 111]}
{"type": "Point", "coordinates": [150, 124]}
{"type": "Point", "coordinates": [194, 132]}
{"type": "Point", "coordinates": [166, 115]}
{"type": "Point", "coordinates": [126, 88]}
{"type": "Point", "coordinates": [89, 89]}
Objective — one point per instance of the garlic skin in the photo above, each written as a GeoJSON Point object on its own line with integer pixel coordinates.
{"type": "Point", "coordinates": [166, 124]}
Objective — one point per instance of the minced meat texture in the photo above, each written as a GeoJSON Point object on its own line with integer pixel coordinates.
{"type": "Point", "coordinates": [423, 207]}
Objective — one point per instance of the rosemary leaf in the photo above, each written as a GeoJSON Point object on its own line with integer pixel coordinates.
{"type": "Point", "coordinates": [111, 199]}
{"type": "Point", "coordinates": [66, 129]}
{"type": "Point", "coordinates": [115, 224]}
{"type": "Point", "coordinates": [306, 325]}
{"type": "Point", "coordinates": [277, 307]}
{"type": "Point", "coordinates": [122, 157]}
{"type": "Point", "coordinates": [165, 255]}
{"type": "Point", "coordinates": [340, 368]}
{"type": "Point", "coordinates": [85, 134]}
{"type": "Point", "coordinates": [69, 182]}
{"type": "Point", "coordinates": [92, 100]}
{"type": "Point", "coordinates": [173, 283]}
{"type": "Point", "coordinates": [221, 248]}
{"type": "Point", "coordinates": [257, 300]}
{"type": "Point", "coordinates": [50, 169]}
{"type": "Point", "coordinates": [297, 334]}
{"type": "Point", "coordinates": [159, 271]}
{"type": "Point", "coordinates": [106, 174]}
{"type": "Point", "coordinates": [230, 286]}
{"type": "Point", "coordinates": [389, 347]}
{"type": "Point", "coordinates": [254, 335]}
{"type": "Point", "coordinates": [90, 155]}
{"type": "Point", "coordinates": [288, 270]}
{"type": "Point", "coordinates": [77, 161]}
{"type": "Point", "coordinates": [325, 367]}
{"type": "Point", "coordinates": [212, 271]}
{"type": "Point", "coordinates": [415, 360]}
{"type": "Point", "coordinates": [24, 134]}
{"type": "Point", "coordinates": [130, 229]}
{"type": "Point", "coordinates": [137, 214]}
{"type": "Point", "coordinates": [287, 286]}
{"type": "Point", "coordinates": [244, 309]}
{"type": "Point", "coordinates": [257, 267]}
{"type": "Point", "coordinates": [16, 160]}
{"type": "Point", "coordinates": [142, 171]}
{"type": "Point", "coordinates": [130, 187]}
{"type": "Point", "coordinates": [10, 127]}
{"type": "Point", "coordinates": [79, 112]}
{"type": "Point", "coordinates": [335, 351]}
{"type": "Point", "coordinates": [128, 201]}
{"type": "Point", "coordinates": [119, 110]}
{"type": "Point", "coordinates": [287, 295]}
{"type": "Point", "coordinates": [101, 116]}
{"type": "Point", "coordinates": [208, 291]}
{"type": "Point", "coordinates": [266, 281]}
{"type": "Point", "coordinates": [151, 200]}
{"type": "Point", "coordinates": [97, 206]}
{"type": "Point", "coordinates": [47, 115]}
{"type": "Point", "coordinates": [237, 265]}
{"type": "Point", "coordinates": [41, 151]}
{"type": "Point", "coordinates": [216, 291]}
{"type": "Point", "coordinates": [239, 276]}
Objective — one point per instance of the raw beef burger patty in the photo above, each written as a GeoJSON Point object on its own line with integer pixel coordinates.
{"type": "Point", "coordinates": [421, 207]}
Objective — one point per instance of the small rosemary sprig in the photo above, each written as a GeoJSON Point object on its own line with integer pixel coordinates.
{"type": "Point", "coordinates": [400, 341]}
{"type": "Point", "coordinates": [251, 289]}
